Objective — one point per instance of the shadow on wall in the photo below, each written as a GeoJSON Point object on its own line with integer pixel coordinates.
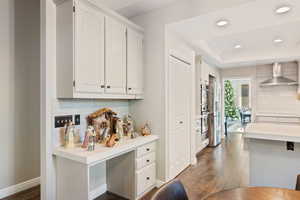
{"type": "Point", "coordinates": [20, 103]}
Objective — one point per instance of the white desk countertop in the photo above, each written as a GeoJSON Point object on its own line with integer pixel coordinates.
{"type": "Point", "coordinates": [272, 131]}
{"type": "Point", "coordinates": [102, 152]}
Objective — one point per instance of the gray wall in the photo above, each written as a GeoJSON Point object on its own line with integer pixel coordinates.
{"type": "Point", "coordinates": [19, 82]}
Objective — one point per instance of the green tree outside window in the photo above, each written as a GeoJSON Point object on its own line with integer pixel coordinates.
{"type": "Point", "coordinates": [230, 107]}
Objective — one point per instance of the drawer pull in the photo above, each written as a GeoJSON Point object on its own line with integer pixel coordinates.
{"type": "Point", "coordinates": [147, 149]}
{"type": "Point", "coordinates": [148, 178]}
{"type": "Point", "coordinates": [148, 160]}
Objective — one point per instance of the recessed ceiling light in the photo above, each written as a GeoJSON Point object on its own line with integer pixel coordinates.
{"type": "Point", "coordinates": [278, 40]}
{"type": "Point", "coordinates": [238, 46]}
{"type": "Point", "coordinates": [283, 9]}
{"type": "Point", "coordinates": [222, 23]}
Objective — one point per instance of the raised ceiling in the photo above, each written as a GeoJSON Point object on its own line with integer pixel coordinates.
{"type": "Point", "coordinates": [131, 8]}
{"type": "Point", "coordinates": [253, 25]}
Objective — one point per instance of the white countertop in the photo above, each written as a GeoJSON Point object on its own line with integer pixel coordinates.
{"type": "Point", "coordinates": [272, 131]}
{"type": "Point", "coordinates": [102, 152]}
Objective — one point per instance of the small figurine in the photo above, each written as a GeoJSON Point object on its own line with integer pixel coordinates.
{"type": "Point", "coordinates": [129, 128]}
{"type": "Point", "coordinates": [119, 129]}
{"type": "Point", "coordinates": [134, 135]}
{"type": "Point", "coordinates": [92, 143]}
{"type": "Point", "coordinates": [69, 135]}
{"type": "Point", "coordinates": [112, 140]}
{"type": "Point", "coordinates": [90, 137]}
{"type": "Point", "coordinates": [145, 131]}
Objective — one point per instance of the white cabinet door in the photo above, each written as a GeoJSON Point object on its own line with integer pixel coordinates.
{"type": "Point", "coordinates": [135, 62]}
{"type": "Point", "coordinates": [179, 108]}
{"type": "Point", "coordinates": [89, 50]}
{"type": "Point", "coordinates": [115, 71]}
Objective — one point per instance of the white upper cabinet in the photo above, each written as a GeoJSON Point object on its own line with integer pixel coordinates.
{"type": "Point", "coordinates": [89, 50]}
{"type": "Point", "coordinates": [135, 62]}
{"type": "Point", "coordinates": [96, 57]}
{"type": "Point", "coordinates": [115, 61]}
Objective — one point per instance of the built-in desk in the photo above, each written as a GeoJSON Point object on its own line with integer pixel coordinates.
{"type": "Point", "coordinates": [130, 169]}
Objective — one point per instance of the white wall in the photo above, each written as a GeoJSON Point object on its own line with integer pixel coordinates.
{"type": "Point", "coordinates": [19, 82]}
{"type": "Point", "coordinates": [154, 24]}
{"type": "Point", "coordinates": [269, 100]}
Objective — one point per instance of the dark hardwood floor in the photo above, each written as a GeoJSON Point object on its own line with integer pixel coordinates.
{"type": "Point", "coordinates": [217, 169]}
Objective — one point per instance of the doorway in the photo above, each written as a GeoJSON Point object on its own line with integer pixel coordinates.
{"type": "Point", "coordinates": [237, 107]}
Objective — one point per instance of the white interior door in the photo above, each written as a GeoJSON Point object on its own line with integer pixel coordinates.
{"type": "Point", "coordinates": [115, 71]}
{"type": "Point", "coordinates": [179, 108]}
{"type": "Point", "coordinates": [89, 50]}
{"type": "Point", "coordinates": [135, 62]}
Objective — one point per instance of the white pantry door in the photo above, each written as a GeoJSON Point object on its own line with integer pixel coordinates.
{"type": "Point", "coordinates": [115, 71]}
{"type": "Point", "coordinates": [179, 110]}
{"type": "Point", "coordinates": [89, 50]}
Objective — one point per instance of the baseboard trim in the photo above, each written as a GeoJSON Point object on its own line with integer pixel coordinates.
{"type": "Point", "coordinates": [11, 190]}
{"type": "Point", "coordinates": [159, 183]}
{"type": "Point", "coordinates": [98, 191]}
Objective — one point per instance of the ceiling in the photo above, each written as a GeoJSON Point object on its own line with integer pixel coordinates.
{"type": "Point", "coordinates": [131, 8]}
{"type": "Point", "coordinates": [253, 25]}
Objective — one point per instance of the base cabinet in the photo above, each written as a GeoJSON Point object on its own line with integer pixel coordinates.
{"type": "Point", "coordinates": [98, 55]}
{"type": "Point", "coordinates": [127, 170]}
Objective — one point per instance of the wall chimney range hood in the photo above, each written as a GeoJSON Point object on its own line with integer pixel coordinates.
{"type": "Point", "coordinates": [278, 79]}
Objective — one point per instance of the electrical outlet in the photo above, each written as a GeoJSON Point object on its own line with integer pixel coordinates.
{"type": "Point", "coordinates": [60, 121]}
{"type": "Point", "coordinates": [290, 146]}
{"type": "Point", "coordinates": [77, 119]}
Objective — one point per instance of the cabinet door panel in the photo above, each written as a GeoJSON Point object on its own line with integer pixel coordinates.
{"type": "Point", "coordinates": [115, 71]}
{"type": "Point", "coordinates": [89, 50]}
{"type": "Point", "coordinates": [135, 62]}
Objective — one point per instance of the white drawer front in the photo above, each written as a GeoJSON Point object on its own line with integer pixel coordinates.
{"type": "Point", "coordinates": [148, 148]}
{"type": "Point", "coordinates": [145, 160]}
{"type": "Point", "coordinates": [146, 178]}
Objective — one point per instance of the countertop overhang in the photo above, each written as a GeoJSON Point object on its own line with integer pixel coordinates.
{"type": "Point", "coordinates": [102, 152]}
{"type": "Point", "coordinates": [272, 131]}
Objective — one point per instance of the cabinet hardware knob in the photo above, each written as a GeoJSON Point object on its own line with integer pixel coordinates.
{"type": "Point", "coordinates": [147, 149]}
{"type": "Point", "coordinates": [181, 122]}
{"type": "Point", "coordinates": [102, 86]}
{"type": "Point", "coordinates": [129, 88]}
{"type": "Point", "coordinates": [148, 178]}
{"type": "Point", "coordinates": [148, 160]}
{"type": "Point", "coordinates": [108, 86]}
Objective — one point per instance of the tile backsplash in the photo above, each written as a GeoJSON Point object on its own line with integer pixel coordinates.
{"type": "Point", "coordinates": [84, 108]}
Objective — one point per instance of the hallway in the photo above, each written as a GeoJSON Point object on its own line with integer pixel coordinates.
{"type": "Point", "coordinates": [218, 169]}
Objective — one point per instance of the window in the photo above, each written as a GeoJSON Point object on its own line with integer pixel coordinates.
{"type": "Point", "coordinates": [245, 95]}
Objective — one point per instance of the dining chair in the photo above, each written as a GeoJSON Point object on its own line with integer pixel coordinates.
{"type": "Point", "coordinates": [298, 183]}
{"type": "Point", "coordinates": [171, 191]}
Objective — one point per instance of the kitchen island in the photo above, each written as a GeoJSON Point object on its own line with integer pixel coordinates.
{"type": "Point", "coordinates": [271, 163]}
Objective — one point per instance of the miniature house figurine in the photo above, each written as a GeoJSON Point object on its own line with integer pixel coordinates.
{"type": "Point", "coordinates": [105, 123]}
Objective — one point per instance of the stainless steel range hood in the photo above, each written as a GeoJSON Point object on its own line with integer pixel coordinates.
{"type": "Point", "coordinates": [278, 78]}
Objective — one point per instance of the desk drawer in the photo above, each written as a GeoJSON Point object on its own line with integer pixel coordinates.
{"type": "Point", "coordinates": [145, 160]}
{"type": "Point", "coordinates": [148, 148]}
{"type": "Point", "coordinates": [146, 178]}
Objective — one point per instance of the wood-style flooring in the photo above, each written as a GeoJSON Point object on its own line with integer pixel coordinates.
{"type": "Point", "coordinates": [217, 169]}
